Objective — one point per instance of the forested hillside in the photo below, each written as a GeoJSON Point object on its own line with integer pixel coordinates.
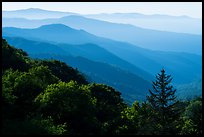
{"type": "Point", "coordinates": [48, 97]}
{"type": "Point", "coordinates": [96, 63]}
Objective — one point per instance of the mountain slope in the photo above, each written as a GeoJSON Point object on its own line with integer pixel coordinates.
{"type": "Point", "coordinates": [90, 51]}
{"type": "Point", "coordinates": [35, 47]}
{"type": "Point", "coordinates": [151, 61]}
{"type": "Point", "coordinates": [53, 33]}
{"type": "Point", "coordinates": [146, 38]}
{"type": "Point", "coordinates": [189, 91]}
{"type": "Point", "coordinates": [164, 41]}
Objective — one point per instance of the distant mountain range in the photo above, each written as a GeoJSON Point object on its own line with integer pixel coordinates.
{"type": "Point", "coordinates": [35, 13]}
{"type": "Point", "coordinates": [180, 24]}
{"type": "Point", "coordinates": [177, 64]}
{"type": "Point", "coordinates": [145, 38]}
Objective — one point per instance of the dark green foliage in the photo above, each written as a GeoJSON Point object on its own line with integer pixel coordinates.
{"type": "Point", "coordinates": [192, 118]}
{"type": "Point", "coordinates": [21, 88]}
{"type": "Point", "coordinates": [109, 105]}
{"type": "Point", "coordinates": [32, 83]}
{"type": "Point", "coordinates": [34, 126]}
{"type": "Point", "coordinates": [108, 101]}
{"type": "Point", "coordinates": [129, 120]}
{"type": "Point", "coordinates": [8, 80]}
{"type": "Point", "coordinates": [144, 115]}
{"type": "Point", "coordinates": [136, 120]}
{"type": "Point", "coordinates": [13, 58]}
{"type": "Point", "coordinates": [62, 71]}
{"type": "Point", "coordinates": [72, 104]}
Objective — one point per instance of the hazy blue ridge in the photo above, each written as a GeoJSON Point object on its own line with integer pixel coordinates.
{"type": "Point", "coordinates": [176, 63]}
{"type": "Point", "coordinates": [146, 38]}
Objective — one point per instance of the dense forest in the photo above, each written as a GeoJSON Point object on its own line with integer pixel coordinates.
{"type": "Point", "coordinates": [49, 97]}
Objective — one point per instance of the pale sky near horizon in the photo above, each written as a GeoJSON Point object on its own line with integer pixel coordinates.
{"type": "Point", "coordinates": [192, 9]}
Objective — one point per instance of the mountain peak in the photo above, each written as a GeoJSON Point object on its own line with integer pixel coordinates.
{"type": "Point", "coordinates": [56, 26]}
{"type": "Point", "coordinates": [44, 10]}
{"type": "Point", "coordinates": [73, 16]}
{"type": "Point", "coordinates": [60, 27]}
{"type": "Point", "coordinates": [33, 9]}
{"type": "Point", "coordinates": [29, 9]}
{"type": "Point", "coordinates": [40, 10]}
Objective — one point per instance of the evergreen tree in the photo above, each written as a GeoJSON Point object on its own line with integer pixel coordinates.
{"type": "Point", "coordinates": [163, 102]}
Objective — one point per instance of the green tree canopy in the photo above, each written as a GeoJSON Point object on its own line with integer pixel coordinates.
{"type": "Point", "coordinates": [109, 105]}
{"type": "Point", "coordinates": [21, 88]}
{"type": "Point", "coordinates": [192, 117]}
{"type": "Point", "coordinates": [63, 71]}
{"type": "Point", "coordinates": [70, 103]}
{"type": "Point", "coordinates": [13, 58]}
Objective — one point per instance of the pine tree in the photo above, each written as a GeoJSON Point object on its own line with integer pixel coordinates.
{"type": "Point", "coordinates": [163, 102]}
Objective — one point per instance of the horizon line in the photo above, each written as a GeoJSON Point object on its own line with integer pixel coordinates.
{"type": "Point", "coordinates": [103, 13]}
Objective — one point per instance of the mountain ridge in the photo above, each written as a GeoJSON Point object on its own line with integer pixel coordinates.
{"type": "Point", "coordinates": [147, 60]}
{"type": "Point", "coordinates": [173, 41]}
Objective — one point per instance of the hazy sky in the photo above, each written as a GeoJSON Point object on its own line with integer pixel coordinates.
{"type": "Point", "coordinates": [192, 9]}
